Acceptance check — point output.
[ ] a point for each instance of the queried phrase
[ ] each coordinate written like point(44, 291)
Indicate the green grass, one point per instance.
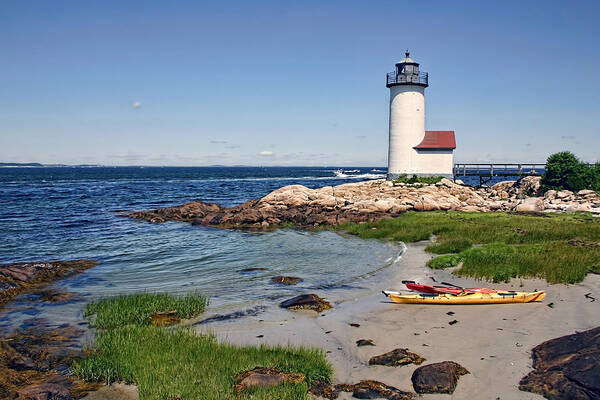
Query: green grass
point(445, 261)
point(449, 246)
point(524, 246)
point(554, 261)
point(175, 362)
point(137, 308)
point(164, 363)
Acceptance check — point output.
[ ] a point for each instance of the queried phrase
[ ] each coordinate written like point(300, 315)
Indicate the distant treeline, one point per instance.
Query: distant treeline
point(33, 164)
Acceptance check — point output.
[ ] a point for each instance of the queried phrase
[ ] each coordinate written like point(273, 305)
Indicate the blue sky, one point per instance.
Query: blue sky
point(291, 83)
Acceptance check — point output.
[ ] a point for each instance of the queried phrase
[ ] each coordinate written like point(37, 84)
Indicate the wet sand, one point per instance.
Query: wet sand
point(493, 342)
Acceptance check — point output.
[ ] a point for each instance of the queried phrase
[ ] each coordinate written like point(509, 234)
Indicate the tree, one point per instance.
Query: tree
point(565, 172)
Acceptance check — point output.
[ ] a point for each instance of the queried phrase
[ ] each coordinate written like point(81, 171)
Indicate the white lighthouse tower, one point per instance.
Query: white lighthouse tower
point(412, 150)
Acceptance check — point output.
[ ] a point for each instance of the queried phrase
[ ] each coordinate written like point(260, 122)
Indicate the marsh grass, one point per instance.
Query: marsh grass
point(518, 245)
point(138, 308)
point(557, 262)
point(445, 261)
point(164, 363)
point(449, 246)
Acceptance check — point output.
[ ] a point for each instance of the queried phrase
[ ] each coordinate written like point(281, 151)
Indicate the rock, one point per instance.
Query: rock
point(437, 378)
point(368, 389)
point(531, 204)
point(265, 377)
point(164, 318)
point(20, 277)
point(550, 195)
point(571, 208)
point(21, 363)
point(45, 391)
point(365, 342)
point(503, 186)
point(585, 192)
point(117, 391)
point(352, 202)
point(459, 182)
point(286, 280)
point(324, 390)
point(306, 302)
point(530, 185)
point(396, 357)
point(564, 195)
point(580, 243)
point(566, 368)
point(54, 296)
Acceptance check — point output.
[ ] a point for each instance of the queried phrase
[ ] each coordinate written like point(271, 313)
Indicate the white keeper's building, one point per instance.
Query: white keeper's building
point(412, 149)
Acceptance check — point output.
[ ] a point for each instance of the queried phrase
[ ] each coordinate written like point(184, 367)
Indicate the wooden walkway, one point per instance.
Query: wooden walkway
point(486, 172)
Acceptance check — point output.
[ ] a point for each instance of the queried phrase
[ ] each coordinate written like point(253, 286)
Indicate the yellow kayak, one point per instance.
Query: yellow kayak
point(466, 298)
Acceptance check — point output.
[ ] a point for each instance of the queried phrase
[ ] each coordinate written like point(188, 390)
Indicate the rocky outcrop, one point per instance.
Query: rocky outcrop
point(306, 302)
point(566, 368)
point(34, 363)
point(397, 357)
point(437, 378)
point(265, 377)
point(373, 200)
point(20, 277)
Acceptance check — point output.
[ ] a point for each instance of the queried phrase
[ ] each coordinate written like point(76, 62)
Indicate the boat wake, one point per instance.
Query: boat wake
point(352, 174)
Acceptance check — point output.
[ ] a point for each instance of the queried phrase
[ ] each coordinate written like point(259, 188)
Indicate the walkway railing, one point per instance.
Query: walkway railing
point(393, 78)
point(486, 172)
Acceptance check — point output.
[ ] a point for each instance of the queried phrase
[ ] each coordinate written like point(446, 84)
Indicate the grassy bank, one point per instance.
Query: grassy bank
point(138, 308)
point(558, 248)
point(176, 362)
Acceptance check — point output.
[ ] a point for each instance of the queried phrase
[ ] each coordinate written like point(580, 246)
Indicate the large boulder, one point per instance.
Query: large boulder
point(530, 204)
point(530, 185)
point(566, 368)
point(437, 378)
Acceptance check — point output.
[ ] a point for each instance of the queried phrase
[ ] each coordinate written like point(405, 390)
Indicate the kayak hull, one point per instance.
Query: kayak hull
point(468, 298)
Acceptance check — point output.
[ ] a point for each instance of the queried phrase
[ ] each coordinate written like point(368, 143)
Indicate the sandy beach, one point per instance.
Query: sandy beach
point(493, 342)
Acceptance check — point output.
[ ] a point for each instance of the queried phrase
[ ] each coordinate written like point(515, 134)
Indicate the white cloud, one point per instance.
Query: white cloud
point(136, 104)
point(266, 153)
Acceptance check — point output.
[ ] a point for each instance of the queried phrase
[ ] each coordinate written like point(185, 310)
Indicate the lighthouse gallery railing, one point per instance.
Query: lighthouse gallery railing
point(394, 78)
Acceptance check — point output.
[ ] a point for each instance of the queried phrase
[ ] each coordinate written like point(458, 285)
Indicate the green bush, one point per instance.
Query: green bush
point(564, 171)
point(418, 179)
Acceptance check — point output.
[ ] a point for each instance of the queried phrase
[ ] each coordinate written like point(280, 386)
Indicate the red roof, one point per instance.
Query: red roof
point(437, 140)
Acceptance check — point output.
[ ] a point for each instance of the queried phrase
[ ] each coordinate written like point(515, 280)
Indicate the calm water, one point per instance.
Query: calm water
point(67, 213)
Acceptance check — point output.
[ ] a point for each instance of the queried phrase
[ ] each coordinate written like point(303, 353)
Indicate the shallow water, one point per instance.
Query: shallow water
point(67, 213)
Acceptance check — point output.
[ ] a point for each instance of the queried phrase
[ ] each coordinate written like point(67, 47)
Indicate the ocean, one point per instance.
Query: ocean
point(61, 213)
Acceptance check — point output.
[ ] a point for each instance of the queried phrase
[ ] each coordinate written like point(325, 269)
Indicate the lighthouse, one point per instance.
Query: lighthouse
point(412, 150)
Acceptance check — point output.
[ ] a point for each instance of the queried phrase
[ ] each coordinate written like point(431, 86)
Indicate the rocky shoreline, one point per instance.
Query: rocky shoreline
point(34, 361)
point(373, 200)
point(18, 278)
